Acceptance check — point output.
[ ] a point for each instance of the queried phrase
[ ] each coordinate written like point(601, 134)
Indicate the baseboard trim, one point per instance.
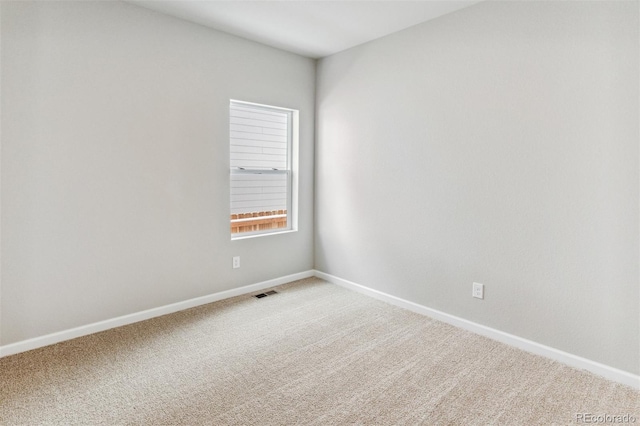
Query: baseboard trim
point(50, 339)
point(571, 360)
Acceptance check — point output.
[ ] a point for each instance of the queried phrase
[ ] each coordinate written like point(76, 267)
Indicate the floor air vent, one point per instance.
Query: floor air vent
point(265, 294)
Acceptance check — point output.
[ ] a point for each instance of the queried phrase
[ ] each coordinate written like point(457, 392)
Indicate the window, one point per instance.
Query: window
point(262, 139)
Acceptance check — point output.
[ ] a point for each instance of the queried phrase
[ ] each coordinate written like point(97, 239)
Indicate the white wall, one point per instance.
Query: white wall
point(497, 144)
point(115, 156)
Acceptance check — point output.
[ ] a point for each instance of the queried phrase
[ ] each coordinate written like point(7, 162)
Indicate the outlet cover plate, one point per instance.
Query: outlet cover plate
point(478, 291)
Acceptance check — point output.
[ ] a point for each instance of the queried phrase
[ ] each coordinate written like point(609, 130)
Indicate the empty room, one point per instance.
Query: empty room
point(319, 212)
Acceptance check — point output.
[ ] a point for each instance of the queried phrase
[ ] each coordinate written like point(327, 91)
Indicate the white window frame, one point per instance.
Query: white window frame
point(291, 170)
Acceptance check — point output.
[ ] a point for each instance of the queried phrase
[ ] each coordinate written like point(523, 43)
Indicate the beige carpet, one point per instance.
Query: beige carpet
point(313, 354)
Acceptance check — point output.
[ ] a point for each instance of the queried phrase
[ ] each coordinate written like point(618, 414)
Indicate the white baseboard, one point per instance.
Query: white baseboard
point(575, 361)
point(571, 360)
point(50, 339)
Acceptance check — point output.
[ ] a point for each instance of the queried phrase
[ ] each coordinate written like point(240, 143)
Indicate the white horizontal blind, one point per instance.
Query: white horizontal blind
point(259, 158)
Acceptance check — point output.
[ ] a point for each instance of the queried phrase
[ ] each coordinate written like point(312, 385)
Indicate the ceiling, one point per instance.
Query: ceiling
point(309, 28)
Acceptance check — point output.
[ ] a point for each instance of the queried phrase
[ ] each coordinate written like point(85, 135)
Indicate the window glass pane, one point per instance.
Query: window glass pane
point(258, 138)
point(258, 202)
point(258, 192)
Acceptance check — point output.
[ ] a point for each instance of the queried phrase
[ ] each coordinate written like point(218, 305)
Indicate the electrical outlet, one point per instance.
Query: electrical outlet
point(478, 290)
point(236, 262)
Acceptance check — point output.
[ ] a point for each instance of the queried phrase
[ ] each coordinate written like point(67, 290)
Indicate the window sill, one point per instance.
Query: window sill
point(246, 237)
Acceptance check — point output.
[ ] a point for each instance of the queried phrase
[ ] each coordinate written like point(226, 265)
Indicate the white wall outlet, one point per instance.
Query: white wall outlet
point(236, 262)
point(478, 290)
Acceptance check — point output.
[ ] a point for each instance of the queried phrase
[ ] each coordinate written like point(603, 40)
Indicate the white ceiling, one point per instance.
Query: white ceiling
point(309, 28)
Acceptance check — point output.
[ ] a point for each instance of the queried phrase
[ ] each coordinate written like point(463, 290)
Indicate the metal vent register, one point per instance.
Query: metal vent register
point(265, 294)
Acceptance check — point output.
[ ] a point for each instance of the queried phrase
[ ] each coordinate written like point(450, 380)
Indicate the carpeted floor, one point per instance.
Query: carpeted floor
point(314, 353)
